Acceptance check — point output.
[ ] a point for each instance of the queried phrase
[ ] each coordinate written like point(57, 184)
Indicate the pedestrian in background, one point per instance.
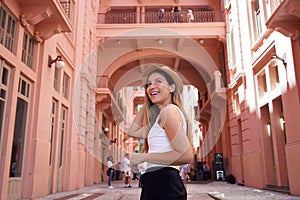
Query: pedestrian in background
point(142, 170)
point(127, 171)
point(110, 171)
point(186, 171)
point(164, 123)
point(206, 171)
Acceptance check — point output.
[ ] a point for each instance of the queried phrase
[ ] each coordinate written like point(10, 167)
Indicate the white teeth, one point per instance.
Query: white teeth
point(153, 93)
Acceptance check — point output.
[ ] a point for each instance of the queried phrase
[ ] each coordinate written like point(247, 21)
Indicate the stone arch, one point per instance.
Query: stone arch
point(122, 49)
point(132, 47)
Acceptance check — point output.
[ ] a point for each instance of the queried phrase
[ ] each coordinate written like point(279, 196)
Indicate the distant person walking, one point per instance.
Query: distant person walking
point(127, 171)
point(110, 171)
point(206, 171)
point(186, 171)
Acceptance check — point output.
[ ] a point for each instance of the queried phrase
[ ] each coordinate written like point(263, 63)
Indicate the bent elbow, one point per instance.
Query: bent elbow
point(190, 156)
point(187, 156)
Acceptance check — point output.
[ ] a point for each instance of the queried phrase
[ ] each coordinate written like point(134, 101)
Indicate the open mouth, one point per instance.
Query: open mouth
point(154, 93)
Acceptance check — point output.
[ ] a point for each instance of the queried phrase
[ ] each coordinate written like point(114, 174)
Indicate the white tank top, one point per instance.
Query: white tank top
point(158, 140)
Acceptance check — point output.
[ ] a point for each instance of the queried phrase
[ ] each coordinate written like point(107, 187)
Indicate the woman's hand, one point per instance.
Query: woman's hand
point(136, 129)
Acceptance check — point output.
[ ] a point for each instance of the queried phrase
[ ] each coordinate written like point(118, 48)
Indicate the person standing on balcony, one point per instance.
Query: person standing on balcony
point(161, 15)
point(166, 128)
point(176, 13)
point(190, 16)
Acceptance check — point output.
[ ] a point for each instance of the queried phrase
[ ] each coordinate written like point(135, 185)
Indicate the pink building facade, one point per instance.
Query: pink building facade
point(59, 124)
point(264, 93)
point(41, 151)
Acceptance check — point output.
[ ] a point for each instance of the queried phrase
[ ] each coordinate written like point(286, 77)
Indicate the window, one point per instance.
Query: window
point(258, 17)
point(274, 77)
point(52, 128)
point(262, 84)
point(56, 79)
point(66, 85)
point(87, 116)
point(19, 138)
point(237, 104)
point(222, 68)
point(231, 44)
point(28, 50)
point(4, 74)
point(104, 121)
point(7, 29)
point(63, 120)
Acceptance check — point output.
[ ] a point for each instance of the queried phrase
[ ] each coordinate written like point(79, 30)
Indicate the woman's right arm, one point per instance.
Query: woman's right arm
point(136, 128)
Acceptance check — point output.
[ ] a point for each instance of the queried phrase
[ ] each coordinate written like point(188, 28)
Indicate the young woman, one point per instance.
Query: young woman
point(166, 129)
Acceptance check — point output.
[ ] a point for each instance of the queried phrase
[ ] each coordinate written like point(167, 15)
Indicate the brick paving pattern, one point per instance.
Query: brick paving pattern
point(204, 190)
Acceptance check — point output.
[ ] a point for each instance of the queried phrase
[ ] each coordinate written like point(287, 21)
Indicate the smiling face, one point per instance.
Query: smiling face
point(158, 89)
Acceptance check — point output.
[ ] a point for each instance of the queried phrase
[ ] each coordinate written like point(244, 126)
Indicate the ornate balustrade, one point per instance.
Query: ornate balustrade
point(154, 17)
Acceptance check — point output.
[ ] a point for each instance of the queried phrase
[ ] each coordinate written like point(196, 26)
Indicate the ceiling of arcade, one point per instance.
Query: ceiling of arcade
point(122, 60)
point(195, 62)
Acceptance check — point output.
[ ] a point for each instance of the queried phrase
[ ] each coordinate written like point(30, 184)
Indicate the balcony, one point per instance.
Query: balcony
point(286, 18)
point(115, 17)
point(48, 17)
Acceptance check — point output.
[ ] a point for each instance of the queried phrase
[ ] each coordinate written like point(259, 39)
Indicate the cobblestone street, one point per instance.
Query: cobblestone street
point(196, 191)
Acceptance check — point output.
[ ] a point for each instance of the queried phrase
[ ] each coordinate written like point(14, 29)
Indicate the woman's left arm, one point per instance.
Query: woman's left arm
point(171, 121)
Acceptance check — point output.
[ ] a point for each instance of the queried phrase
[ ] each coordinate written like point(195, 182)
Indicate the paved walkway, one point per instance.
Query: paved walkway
point(196, 191)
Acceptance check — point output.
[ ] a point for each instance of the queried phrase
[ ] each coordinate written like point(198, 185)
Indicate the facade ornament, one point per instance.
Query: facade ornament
point(38, 37)
point(23, 21)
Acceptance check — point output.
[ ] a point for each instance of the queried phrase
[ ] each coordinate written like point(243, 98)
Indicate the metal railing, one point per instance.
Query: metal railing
point(155, 17)
point(66, 5)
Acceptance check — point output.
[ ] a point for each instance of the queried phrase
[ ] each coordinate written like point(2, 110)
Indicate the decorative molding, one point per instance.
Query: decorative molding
point(44, 13)
point(38, 37)
point(23, 21)
point(285, 19)
point(45, 32)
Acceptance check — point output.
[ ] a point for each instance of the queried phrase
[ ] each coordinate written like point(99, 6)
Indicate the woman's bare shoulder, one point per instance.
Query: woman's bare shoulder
point(169, 111)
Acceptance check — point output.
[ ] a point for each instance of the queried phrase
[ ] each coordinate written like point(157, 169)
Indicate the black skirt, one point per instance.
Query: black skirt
point(162, 184)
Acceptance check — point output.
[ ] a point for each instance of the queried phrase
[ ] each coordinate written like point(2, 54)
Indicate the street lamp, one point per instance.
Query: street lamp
point(59, 63)
point(275, 59)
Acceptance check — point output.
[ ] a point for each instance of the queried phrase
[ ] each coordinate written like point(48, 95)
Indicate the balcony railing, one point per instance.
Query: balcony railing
point(153, 17)
point(274, 4)
point(66, 4)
